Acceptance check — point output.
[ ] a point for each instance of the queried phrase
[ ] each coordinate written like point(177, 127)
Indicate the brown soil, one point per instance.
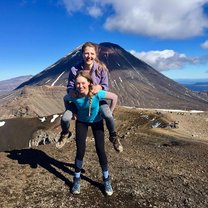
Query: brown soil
point(160, 167)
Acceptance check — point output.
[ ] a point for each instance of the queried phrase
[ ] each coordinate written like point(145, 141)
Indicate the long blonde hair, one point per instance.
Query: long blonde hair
point(86, 75)
point(101, 65)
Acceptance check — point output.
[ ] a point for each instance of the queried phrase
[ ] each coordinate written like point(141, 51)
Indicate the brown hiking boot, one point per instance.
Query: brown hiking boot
point(64, 138)
point(116, 142)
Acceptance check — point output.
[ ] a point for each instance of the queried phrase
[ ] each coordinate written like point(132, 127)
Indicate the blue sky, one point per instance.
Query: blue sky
point(172, 36)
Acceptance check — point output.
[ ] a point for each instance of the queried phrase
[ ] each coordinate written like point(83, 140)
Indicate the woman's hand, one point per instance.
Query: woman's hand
point(73, 93)
point(96, 88)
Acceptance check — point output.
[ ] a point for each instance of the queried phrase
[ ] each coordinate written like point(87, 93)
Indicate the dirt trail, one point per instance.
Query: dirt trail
point(156, 169)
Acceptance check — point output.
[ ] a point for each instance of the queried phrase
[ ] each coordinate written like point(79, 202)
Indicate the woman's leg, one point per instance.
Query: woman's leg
point(67, 116)
point(81, 134)
point(81, 129)
point(65, 122)
point(98, 132)
point(107, 115)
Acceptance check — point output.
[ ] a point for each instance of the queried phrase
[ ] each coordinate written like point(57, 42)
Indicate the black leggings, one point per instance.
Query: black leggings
point(81, 135)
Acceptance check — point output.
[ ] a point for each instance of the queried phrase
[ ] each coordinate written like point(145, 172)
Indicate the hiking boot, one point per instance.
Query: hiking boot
point(116, 142)
point(64, 138)
point(107, 186)
point(117, 145)
point(76, 186)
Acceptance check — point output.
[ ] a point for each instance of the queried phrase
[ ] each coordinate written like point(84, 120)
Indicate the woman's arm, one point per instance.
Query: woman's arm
point(104, 80)
point(114, 98)
point(71, 79)
point(71, 90)
point(96, 88)
point(100, 78)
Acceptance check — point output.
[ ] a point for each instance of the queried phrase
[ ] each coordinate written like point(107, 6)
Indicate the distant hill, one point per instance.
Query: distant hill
point(10, 84)
point(197, 85)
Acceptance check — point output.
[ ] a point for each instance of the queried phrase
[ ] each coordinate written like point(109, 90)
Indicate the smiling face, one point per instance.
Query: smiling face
point(82, 85)
point(89, 55)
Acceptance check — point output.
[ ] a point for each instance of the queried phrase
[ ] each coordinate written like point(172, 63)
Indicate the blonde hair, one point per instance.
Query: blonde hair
point(101, 65)
point(87, 76)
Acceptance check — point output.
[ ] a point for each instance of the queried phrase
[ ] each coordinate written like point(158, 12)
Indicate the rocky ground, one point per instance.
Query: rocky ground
point(161, 166)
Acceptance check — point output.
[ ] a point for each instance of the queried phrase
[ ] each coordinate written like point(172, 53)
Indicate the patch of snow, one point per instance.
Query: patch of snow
point(145, 116)
point(54, 118)
point(180, 111)
point(51, 66)
point(196, 111)
point(156, 125)
point(2, 123)
point(115, 83)
point(57, 79)
point(48, 81)
point(168, 110)
point(127, 106)
point(76, 49)
point(172, 110)
point(42, 119)
point(131, 74)
point(75, 53)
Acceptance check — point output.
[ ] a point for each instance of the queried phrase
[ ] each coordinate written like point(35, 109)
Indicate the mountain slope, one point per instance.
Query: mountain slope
point(135, 82)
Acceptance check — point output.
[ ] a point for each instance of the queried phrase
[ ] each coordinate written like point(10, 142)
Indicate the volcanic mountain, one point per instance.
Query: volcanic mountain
point(135, 82)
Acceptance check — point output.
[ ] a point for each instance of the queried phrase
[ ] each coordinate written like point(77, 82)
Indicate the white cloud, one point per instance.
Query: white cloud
point(90, 7)
point(205, 44)
point(94, 11)
point(172, 19)
point(165, 60)
point(73, 5)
